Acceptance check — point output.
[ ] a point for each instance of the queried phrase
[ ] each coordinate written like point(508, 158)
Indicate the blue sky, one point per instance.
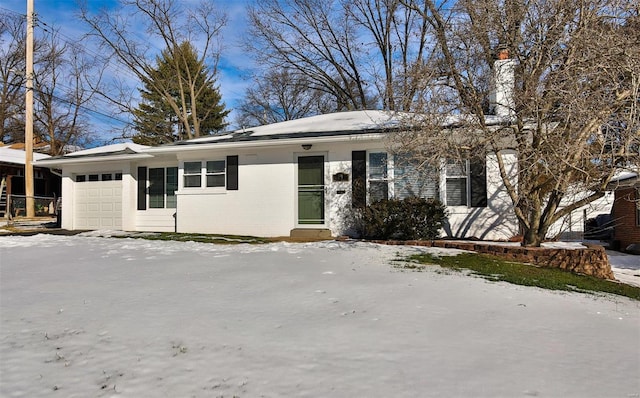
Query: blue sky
point(234, 66)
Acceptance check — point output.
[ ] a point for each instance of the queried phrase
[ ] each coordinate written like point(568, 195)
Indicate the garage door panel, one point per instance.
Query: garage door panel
point(108, 193)
point(98, 205)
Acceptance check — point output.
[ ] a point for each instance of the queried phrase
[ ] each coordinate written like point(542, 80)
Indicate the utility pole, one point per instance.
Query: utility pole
point(28, 128)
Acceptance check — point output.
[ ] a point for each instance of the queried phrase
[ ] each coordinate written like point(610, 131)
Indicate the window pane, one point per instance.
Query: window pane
point(311, 170)
point(192, 181)
point(156, 188)
point(311, 207)
point(456, 191)
point(171, 187)
point(82, 178)
point(118, 176)
point(107, 177)
point(192, 172)
point(378, 165)
point(215, 180)
point(192, 167)
point(215, 166)
point(94, 177)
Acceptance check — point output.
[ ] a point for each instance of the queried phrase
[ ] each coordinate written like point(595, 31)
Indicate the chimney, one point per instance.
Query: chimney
point(502, 102)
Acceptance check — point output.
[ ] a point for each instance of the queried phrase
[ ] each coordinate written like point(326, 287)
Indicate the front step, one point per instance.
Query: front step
point(310, 233)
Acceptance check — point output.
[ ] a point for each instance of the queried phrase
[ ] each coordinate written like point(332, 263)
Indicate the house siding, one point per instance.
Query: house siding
point(263, 205)
point(627, 231)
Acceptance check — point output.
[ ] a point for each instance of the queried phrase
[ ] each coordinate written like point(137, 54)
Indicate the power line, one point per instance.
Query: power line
point(76, 43)
point(83, 107)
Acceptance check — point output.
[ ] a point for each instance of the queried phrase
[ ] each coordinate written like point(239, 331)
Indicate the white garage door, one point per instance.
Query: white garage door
point(98, 205)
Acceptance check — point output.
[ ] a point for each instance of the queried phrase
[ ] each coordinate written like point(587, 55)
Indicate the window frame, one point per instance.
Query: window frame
point(216, 173)
point(385, 179)
point(213, 175)
point(156, 188)
point(474, 174)
point(169, 200)
point(463, 175)
point(186, 175)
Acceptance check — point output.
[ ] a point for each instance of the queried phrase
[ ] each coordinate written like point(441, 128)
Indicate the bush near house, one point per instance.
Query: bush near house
point(407, 219)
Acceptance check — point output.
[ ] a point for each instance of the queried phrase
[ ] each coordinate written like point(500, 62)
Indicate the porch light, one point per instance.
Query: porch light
point(306, 147)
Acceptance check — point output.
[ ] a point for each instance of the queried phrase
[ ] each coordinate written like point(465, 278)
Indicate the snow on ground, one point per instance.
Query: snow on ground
point(85, 316)
point(626, 267)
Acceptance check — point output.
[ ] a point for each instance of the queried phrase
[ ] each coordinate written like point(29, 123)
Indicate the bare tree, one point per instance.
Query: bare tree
point(317, 39)
point(573, 120)
point(63, 95)
point(60, 91)
point(363, 53)
point(398, 39)
point(169, 23)
point(12, 67)
point(281, 95)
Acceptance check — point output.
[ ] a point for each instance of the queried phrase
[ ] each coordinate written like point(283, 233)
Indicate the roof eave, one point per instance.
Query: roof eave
point(90, 159)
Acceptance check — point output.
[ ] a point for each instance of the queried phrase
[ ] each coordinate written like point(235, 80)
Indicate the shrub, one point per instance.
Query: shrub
point(407, 219)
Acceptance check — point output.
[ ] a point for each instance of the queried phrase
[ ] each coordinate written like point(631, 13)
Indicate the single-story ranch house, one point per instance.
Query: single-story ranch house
point(271, 180)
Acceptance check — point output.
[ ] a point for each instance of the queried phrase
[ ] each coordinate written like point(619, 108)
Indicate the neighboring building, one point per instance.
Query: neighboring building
point(272, 180)
point(626, 210)
point(46, 183)
point(572, 227)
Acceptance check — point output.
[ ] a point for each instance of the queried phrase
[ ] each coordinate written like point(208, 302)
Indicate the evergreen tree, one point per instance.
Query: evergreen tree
point(179, 100)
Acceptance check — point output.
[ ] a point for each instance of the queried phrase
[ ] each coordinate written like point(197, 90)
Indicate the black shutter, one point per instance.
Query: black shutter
point(142, 188)
point(232, 173)
point(359, 178)
point(478, 175)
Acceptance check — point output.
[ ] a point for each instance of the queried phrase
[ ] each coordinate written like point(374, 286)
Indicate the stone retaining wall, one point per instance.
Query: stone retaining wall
point(592, 260)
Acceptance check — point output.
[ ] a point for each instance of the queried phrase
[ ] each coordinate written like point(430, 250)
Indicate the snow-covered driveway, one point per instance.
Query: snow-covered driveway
point(101, 317)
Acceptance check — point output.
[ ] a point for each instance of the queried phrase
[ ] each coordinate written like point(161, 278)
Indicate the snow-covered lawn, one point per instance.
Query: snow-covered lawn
point(88, 316)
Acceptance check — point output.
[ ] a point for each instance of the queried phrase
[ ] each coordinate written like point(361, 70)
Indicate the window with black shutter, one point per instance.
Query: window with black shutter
point(142, 188)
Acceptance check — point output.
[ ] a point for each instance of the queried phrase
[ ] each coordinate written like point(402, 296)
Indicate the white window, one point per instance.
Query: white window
point(378, 176)
point(216, 173)
point(192, 174)
point(465, 183)
point(456, 182)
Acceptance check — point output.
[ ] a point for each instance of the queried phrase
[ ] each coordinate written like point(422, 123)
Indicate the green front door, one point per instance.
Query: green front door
point(311, 190)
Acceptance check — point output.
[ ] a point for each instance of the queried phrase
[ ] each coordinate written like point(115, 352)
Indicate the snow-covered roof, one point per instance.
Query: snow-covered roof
point(333, 124)
point(127, 147)
point(624, 179)
point(341, 121)
point(124, 151)
point(17, 156)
